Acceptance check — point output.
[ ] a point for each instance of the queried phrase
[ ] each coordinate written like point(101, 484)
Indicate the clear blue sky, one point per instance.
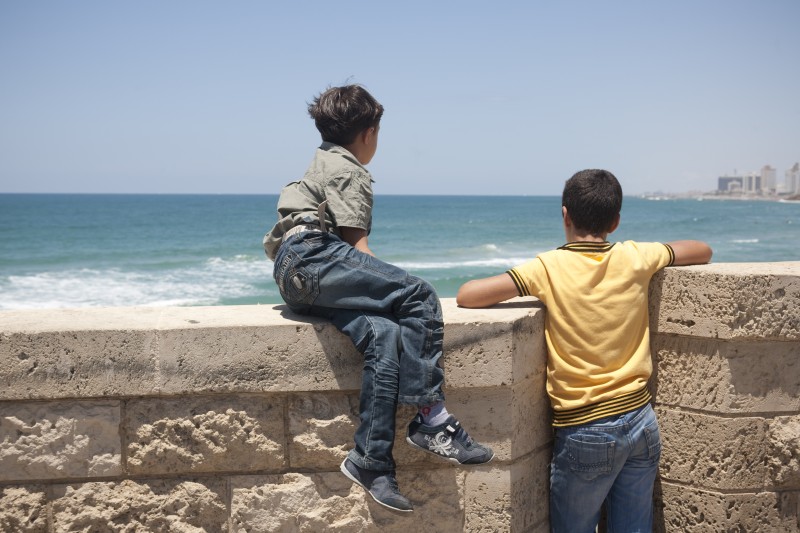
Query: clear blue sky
point(481, 97)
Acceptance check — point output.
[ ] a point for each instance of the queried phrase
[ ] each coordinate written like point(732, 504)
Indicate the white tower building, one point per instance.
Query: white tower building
point(768, 176)
point(792, 179)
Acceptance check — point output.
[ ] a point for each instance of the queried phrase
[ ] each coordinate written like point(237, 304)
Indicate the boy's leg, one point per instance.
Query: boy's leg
point(630, 502)
point(580, 478)
point(335, 276)
point(378, 338)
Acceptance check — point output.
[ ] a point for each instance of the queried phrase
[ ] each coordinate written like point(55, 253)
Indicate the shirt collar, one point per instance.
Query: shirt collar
point(584, 246)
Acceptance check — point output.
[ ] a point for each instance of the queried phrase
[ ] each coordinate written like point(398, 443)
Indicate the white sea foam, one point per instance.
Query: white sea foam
point(497, 262)
point(206, 284)
point(744, 241)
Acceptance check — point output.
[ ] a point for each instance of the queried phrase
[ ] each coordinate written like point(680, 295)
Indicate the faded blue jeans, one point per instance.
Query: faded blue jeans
point(394, 319)
point(613, 459)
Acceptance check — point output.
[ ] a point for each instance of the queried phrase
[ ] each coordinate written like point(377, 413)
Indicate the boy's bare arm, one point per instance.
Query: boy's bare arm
point(357, 238)
point(690, 252)
point(487, 291)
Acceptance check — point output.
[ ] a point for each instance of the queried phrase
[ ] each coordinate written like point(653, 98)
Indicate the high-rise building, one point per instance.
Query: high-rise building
point(768, 178)
point(792, 179)
point(753, 183)
point(729, 183)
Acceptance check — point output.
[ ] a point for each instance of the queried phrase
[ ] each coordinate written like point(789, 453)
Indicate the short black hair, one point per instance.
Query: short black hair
point(593, 199)
point(341, 113)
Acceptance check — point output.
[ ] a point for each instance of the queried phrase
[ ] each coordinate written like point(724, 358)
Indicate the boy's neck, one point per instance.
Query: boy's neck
point(585, 237)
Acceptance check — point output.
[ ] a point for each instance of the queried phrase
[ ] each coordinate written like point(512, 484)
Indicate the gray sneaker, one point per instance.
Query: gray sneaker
point(382, 486)
point(449, 441)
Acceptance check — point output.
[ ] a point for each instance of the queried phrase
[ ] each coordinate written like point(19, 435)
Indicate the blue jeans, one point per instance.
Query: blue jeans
point(394, 319)
point(615, 460)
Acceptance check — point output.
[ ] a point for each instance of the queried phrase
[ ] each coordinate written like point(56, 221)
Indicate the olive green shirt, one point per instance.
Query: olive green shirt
point(334, 175)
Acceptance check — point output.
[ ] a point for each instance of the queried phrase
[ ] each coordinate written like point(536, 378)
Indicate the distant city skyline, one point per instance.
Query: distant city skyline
point(205, 97)
point(763, 181)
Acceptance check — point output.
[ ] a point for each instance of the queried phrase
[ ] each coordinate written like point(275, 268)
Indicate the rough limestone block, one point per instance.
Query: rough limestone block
point(493, 347)
point(511, 497)
point(310, 355)
point(689, 509)
point(783, 459)
point(712, 452)
point(514, 421)
point(75, 363)
point(181, 506)
point(728, 300)
point(204, 434)
point(726, 376)
point(331, 502)
point(321, 429)
point(23, 509)
point(59, 440)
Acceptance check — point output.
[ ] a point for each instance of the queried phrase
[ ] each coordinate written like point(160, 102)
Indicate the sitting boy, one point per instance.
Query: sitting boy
point(324, 267)
point(607, 445)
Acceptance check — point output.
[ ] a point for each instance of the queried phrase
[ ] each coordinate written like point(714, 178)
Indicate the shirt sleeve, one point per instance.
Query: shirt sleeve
point(350, 200)
point(656, 255)
point(528, 277)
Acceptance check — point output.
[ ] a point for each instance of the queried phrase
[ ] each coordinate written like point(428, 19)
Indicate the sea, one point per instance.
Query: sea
point(79, 250)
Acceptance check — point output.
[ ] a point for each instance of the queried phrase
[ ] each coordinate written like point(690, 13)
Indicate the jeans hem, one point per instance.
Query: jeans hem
point(367, 464)
point(420, 401)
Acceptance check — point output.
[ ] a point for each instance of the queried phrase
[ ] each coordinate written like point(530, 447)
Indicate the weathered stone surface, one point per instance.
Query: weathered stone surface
point(53, 440)
point(728, 300)
point(783, 457)
point(73, 363)
point(713, 453)
point(508, 497)
point(726, 376)
point(321, 428)
point(205, 434)
point(23, 509)
point(514, 421)
point(690, 509)
point(487, 347)
point(331, 502)
point(182, 506)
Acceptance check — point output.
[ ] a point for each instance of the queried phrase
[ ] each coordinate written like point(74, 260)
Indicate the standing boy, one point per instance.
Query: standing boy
point(324, 267)
point(607, 445)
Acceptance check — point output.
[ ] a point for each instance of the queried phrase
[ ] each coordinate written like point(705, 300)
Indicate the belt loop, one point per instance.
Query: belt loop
point(321, 214)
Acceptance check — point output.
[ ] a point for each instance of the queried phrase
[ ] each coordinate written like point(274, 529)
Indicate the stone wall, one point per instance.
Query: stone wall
point(235, 419)
point(727, 349)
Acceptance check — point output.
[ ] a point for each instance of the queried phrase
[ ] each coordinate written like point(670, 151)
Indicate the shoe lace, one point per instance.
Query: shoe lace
point(462, 436)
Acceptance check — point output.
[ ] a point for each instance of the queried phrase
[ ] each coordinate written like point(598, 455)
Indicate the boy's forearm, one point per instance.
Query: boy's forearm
point(357, 238)
point(690, 252)
point(486, 292)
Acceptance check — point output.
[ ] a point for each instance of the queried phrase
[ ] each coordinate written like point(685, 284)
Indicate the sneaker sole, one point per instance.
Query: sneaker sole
point(448, 459)
point(352, 478)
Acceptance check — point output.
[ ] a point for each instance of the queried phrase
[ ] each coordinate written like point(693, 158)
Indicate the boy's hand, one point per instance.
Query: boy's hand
point(487, 291)
point(690, 252)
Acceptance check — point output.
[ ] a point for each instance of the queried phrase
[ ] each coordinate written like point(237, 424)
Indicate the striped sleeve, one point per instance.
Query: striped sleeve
point(527, 277)
point(522, 290)
point(671, 254)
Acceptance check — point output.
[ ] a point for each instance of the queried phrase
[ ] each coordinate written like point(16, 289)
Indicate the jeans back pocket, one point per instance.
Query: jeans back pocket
point(298, 282)
point(590, 454)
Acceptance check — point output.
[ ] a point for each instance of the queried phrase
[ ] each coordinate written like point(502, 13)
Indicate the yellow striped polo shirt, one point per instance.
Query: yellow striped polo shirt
point(597, 327)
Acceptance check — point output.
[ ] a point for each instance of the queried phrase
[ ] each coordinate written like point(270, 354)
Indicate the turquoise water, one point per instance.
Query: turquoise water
point(115, 250)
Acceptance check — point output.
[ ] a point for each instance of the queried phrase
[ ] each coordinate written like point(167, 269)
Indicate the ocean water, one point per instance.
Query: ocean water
point(156, 250)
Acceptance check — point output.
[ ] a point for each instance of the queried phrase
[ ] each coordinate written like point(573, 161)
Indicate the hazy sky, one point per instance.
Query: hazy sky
point(480, 97)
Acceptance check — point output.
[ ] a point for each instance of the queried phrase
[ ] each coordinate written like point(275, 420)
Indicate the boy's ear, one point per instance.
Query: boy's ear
point(367, 134)
point(565, 216)
point(614, 225)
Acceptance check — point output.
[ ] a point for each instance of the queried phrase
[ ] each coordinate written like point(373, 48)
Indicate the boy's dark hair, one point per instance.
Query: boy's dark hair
point(593, 199)
point(341, 113)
